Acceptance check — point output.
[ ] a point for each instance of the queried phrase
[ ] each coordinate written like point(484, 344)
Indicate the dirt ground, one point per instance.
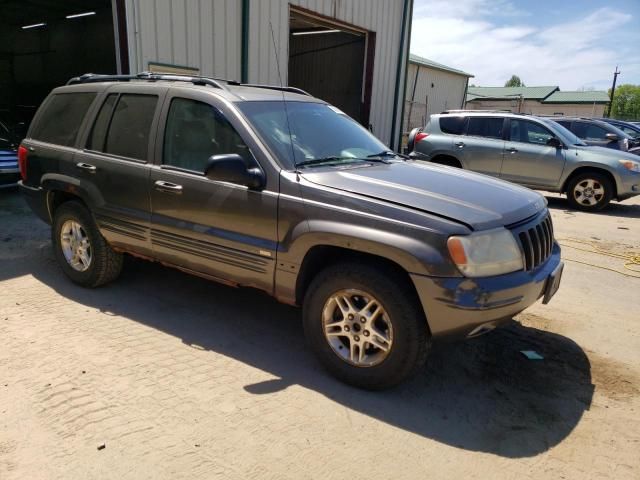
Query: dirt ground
point(161, 375)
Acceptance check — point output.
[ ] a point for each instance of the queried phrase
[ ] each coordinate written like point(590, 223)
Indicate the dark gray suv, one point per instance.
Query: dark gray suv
point(271, 188)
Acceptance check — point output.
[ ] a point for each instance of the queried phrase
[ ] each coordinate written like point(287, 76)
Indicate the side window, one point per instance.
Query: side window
point(529, 132)
point(194, 132)
point(485, 127)
point(566, 124)
point(63, 115)
point(452, 125)
point(99, 130)
point(594, 132)
point(128, 134)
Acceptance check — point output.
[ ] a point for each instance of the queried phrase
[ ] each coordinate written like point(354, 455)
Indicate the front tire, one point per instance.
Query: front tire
point(366, 328)
point(589, 191)
point(80, 249)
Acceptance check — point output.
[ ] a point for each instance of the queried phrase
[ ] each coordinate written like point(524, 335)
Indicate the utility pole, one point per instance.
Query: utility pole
point(613, 90)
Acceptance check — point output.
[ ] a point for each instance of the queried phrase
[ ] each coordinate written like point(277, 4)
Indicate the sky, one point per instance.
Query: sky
point(574, 44)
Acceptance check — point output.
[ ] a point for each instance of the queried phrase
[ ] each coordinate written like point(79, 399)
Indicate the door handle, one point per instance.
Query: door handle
point(168, 187)
point(513, 150)
point(86, 166)
point(460, 144)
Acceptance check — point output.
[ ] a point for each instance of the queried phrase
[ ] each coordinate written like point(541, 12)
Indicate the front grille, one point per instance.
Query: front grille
point(536, 242)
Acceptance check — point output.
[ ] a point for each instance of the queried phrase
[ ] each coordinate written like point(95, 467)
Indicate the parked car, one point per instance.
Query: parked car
point(9, 172)
point(627, 127)
point(229, 182)
point(598, 133)
point(531, 151)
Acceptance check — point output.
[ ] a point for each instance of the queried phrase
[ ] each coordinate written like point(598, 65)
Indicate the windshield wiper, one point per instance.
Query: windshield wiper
point(320, 161)
point(388, 154)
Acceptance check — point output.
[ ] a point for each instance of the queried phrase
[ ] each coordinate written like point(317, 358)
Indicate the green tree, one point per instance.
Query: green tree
point(514, 81)
point(626, 102)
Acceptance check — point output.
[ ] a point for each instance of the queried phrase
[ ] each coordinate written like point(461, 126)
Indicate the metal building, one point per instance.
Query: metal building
point(432, 88)
point(352, 53)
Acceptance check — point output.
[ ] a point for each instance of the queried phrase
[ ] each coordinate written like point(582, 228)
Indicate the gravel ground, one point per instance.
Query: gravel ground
point(163, 375)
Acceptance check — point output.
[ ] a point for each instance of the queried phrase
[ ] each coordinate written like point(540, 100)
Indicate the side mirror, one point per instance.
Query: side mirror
point(231, 168)
point(612, 136)
point(554, 142)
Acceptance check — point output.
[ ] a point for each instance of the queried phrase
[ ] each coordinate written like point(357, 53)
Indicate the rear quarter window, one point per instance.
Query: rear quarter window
point(452, 125)
point(63, 115)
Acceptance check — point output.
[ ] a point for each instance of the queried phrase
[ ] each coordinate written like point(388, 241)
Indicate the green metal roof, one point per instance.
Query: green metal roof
point(425, 62)
point(577, 97)
point(507, 93)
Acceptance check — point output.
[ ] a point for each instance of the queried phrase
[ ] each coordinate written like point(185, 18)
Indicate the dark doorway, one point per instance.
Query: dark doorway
point(329, 60)
point(43, 43)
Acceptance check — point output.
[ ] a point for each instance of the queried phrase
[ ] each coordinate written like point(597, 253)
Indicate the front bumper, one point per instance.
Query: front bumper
point(463, 307)
point(36, 198)
point(628, 186)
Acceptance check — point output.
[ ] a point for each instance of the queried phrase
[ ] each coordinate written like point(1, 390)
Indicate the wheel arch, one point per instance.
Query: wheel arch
point(591, 169)
point(447, 159)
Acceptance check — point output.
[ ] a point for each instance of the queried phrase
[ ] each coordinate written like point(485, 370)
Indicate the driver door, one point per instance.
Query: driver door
point(210, 227)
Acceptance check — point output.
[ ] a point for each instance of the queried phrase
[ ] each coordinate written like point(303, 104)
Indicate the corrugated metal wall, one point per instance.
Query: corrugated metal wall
point(206, 34)
point(435, 91)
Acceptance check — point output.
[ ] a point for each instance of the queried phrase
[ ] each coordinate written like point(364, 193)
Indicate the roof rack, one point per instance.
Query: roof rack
point(93, 78)
point(196, 80)
point(462, 110)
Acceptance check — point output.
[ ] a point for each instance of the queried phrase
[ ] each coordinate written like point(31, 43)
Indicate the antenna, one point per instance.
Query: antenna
point(284, 100)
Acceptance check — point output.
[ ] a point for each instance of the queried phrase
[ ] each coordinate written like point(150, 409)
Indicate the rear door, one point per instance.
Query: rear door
point(482, 148)
point(115, 159)
point(528, 159)
point(215, 228)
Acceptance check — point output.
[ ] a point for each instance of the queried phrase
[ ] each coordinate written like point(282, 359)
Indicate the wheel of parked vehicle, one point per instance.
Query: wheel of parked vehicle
point(589, 191)
point(364, 326)
point(82, 252)
point(411, 139)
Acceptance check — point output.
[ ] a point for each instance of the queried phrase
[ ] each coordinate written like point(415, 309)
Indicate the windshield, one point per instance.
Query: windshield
point(318, 131)
point(563, 133)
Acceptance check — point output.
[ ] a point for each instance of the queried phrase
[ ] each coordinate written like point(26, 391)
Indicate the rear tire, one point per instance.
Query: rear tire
point(399, 326)
point(589, 191)
point(448, 161)
point(80, 249)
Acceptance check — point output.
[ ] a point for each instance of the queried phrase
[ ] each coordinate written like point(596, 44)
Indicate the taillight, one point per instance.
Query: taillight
point(421, 136)
point(22, 161)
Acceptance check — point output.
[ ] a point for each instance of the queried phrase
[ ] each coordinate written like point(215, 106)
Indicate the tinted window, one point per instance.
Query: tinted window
point(485, 127)
point(529, 132)
point(62, 117)
point(99, 130)
point(195, 131)
point(452, 125)
point(565, 123)
point(130, 126)
point(589, 131)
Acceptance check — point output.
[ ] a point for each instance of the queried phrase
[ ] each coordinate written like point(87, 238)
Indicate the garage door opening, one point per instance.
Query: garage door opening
point(332, 61)
point(44, 44)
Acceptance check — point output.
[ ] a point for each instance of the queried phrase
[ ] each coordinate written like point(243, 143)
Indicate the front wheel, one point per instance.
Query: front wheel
point(365, 328)
point(589, 191)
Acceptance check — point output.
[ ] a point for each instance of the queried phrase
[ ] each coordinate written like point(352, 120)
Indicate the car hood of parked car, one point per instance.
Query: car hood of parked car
point(478, 201)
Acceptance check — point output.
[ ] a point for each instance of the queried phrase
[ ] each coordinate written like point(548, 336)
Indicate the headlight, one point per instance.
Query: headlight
point(630, 165)
point(484, 254)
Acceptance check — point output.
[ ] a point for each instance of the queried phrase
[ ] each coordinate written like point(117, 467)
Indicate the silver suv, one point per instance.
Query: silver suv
point(531, 151)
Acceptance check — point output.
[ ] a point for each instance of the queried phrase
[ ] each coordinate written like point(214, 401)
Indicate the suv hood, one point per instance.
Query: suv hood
point(478, 201)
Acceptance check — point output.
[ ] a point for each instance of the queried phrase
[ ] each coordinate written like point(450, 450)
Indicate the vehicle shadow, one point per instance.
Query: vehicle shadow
point(480, 395)
point(614, 209)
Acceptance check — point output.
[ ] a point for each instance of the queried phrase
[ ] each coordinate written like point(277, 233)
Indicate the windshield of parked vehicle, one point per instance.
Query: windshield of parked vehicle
point(564, 134)
point(320, 134)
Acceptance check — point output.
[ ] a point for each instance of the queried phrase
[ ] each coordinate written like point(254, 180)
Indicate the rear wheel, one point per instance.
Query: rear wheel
point(589, 191)
point(81, 250)
point(364, 327)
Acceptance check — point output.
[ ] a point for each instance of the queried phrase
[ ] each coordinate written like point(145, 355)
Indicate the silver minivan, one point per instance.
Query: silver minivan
point(531, 151)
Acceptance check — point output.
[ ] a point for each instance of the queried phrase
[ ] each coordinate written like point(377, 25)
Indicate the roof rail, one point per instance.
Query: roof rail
point(93, 78)
point(276, 87)
point(462, 110)
point(196, 80)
